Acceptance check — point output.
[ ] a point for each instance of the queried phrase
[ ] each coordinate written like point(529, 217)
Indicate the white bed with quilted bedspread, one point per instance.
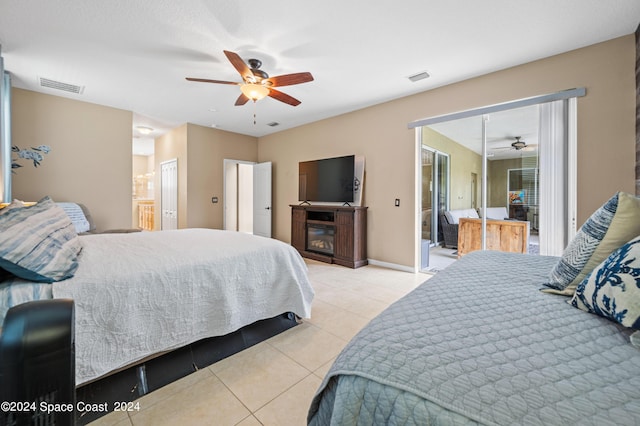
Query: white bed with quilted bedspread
point(140, 294)
point(144, 293)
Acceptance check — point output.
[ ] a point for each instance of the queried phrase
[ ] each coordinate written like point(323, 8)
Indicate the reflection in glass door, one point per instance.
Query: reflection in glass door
point(427, 194)
point(441, 195)
point(517, 186)
point(435, 192)
point(520, 157)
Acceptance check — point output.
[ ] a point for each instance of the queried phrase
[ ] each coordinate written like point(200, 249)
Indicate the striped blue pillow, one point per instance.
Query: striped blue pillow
point(39, 243)
point(608, 228)
point(579, 251)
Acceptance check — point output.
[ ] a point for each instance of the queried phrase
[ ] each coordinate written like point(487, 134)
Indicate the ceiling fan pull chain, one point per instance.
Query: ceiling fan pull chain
point(254, 112)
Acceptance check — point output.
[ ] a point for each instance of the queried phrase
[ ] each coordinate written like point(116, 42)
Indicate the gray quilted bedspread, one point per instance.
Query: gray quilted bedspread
point(480, 344)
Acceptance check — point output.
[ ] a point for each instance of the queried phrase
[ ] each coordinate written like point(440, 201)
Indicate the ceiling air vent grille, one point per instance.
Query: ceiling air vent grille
point(419, 76)
point(58, 85)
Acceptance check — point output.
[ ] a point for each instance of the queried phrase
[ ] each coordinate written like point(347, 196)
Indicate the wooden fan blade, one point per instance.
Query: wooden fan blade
point(283, 97)
point(205, 80)
point(290, 79)
point(242, 99)
point(239, 65)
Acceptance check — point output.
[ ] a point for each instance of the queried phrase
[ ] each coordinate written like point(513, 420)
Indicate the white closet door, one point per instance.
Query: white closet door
point(169, 194)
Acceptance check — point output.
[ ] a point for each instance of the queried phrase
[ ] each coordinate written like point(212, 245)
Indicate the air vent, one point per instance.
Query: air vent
point(420, 76)
point(273, 124)
point(58, 85)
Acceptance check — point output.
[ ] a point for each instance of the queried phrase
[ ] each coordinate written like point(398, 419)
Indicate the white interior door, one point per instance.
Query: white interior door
point(245, 198)
point(262, 199)
point(169, 194)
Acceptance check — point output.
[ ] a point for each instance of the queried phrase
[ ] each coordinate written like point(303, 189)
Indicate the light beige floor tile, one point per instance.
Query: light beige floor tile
point(290, 408)
point(383, 293)
point(256, 377)
point(249, 421)
point(171, 389)
point(367, 307)
point(401, 281)
point(336, 320)
point(361, 302)
point(235, 359)
point(273, 379)
point(336, 296)
point(324, 369)
point(115, 418)
point(206, 402)
point(308, 345)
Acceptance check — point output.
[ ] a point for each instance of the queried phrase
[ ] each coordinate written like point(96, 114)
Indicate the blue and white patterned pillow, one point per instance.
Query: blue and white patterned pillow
point(612, 225)
point(75, 213)
point(39, 243)
point(612, 290)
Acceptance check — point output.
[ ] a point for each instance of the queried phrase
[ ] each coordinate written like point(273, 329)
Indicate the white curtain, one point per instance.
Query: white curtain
point(555, 191)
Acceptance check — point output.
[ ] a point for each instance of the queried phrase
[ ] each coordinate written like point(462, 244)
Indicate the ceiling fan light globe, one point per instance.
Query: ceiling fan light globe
point(253, 91)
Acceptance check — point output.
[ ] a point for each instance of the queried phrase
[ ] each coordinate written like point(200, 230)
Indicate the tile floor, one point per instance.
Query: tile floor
point(272, 383)
point(440, 258)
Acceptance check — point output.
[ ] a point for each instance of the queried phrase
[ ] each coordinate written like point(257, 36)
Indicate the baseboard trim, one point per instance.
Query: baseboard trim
point(398, 267)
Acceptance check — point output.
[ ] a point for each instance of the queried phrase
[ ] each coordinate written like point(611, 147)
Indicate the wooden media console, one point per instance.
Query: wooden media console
point(331, 234)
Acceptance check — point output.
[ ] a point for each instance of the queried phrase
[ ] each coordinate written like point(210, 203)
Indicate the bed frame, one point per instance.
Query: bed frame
point(138, 380)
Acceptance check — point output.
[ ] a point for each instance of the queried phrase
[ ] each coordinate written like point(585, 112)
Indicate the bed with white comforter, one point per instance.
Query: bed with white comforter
point(144, 293)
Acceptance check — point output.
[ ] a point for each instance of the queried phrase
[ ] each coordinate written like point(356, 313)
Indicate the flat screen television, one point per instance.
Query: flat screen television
point(327, 180)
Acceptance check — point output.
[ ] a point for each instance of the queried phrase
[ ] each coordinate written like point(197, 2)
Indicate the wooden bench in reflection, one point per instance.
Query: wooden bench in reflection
point(502, 235)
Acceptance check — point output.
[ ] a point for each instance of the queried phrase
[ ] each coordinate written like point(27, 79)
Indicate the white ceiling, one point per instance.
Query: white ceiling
point(135, 55)
point(502, 128)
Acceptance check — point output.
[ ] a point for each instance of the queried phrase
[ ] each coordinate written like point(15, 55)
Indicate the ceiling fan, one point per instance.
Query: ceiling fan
point(519, 145)
point(257, 84)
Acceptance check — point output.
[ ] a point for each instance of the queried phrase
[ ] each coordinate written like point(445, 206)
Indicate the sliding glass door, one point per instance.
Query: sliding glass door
point(517, 163)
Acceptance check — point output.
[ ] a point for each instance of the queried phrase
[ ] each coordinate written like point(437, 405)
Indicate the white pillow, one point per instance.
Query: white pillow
point(497, 213)
point(453, 216)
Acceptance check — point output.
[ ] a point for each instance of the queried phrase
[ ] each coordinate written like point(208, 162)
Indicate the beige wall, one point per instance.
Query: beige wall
point(200, 152)
point(90, 160)
point(94, 142)
point(208, 148)
point(462, 162)
point(606, 135)
point(140, 164)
